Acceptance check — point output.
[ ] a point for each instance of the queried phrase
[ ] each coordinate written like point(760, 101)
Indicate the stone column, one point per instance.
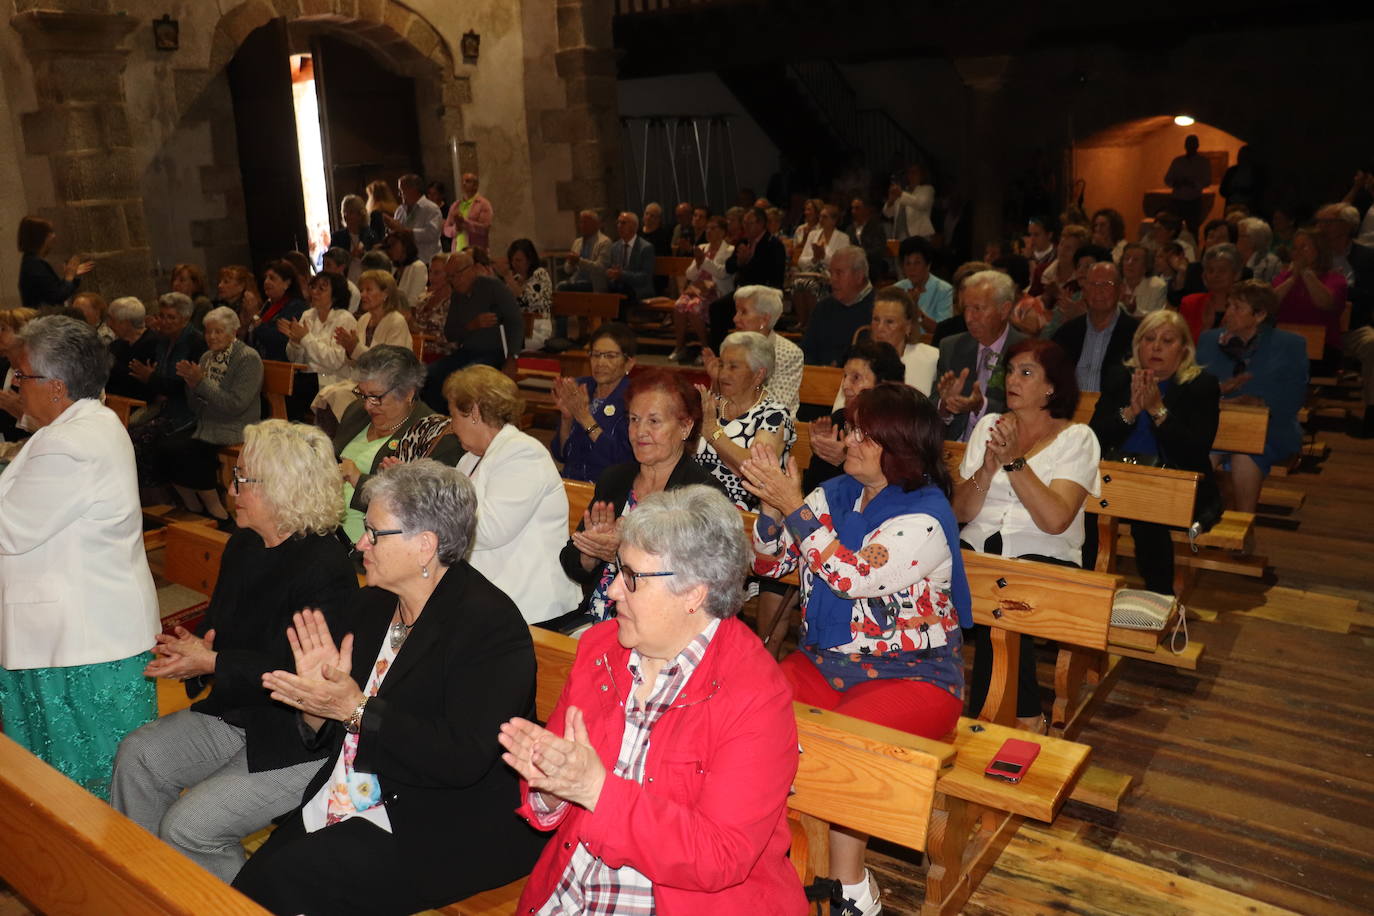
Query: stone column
point(590, 124)
point(82, 127)
point(984, 78)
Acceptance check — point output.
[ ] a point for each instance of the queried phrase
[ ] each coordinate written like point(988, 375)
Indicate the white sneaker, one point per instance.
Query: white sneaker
point(862, 899)
point(676, 355)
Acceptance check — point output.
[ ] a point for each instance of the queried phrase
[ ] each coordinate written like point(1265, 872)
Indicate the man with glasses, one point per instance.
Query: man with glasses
point(484, 325)
point(1101, 336)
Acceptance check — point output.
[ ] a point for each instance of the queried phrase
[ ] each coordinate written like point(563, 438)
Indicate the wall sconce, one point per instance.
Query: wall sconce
point(470, 46)
point(166, 33)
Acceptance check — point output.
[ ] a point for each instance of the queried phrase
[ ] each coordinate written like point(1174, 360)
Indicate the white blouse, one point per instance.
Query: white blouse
point(920, 361)
point(807, 262)
point(412, 281)
point(318, 349)
point(714, 268)
point(1073, 455)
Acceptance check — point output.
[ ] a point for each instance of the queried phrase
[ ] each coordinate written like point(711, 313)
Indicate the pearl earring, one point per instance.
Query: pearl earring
point(424, 572)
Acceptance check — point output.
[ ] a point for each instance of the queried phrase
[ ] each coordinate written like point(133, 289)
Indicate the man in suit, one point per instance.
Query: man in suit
point(584, 271)
point(419, 214)
point(1100, 337)
point(759, 260)
point(868, 234)
point(1338, 224)
point(973, 365)
point(630, 271)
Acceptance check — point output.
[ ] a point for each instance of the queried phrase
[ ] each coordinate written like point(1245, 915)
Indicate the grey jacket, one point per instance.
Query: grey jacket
point(225, 406)
point(961, 352)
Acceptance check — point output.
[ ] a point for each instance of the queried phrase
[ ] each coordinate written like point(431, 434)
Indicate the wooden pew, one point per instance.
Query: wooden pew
point(591, 309)
point(193, 555)
point(123, 406)
point(69, 854)
point(1314, 335)
point(1240, 428)
point(278, 381)
point(819, 385)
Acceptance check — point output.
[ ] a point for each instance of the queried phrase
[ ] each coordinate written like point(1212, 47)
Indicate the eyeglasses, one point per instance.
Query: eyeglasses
point(373, 534)
point(238, 479)
point(632, 578)
point(1100, 283)
point(609, 355)
point(373, 399)
point(858, 435)
point(21, 376)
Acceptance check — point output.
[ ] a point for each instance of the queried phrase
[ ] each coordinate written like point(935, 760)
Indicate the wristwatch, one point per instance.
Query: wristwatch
point(355, 721)
point(1016, 465)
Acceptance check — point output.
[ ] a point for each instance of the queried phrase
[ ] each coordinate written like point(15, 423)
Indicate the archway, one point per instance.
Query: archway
point(1123, 166)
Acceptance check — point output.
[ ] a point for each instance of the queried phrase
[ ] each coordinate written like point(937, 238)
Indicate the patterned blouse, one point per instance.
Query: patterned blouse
point(538, 294)
point(765, 416)
point(589, 885)
point(904, 624)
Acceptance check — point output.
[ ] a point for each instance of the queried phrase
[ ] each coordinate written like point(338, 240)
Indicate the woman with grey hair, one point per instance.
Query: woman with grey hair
point(387, 423)
point(79, 611)
point(443, 657)
point(716, 781)
point(1221, 269)
point(224, 392)
point(355, 236)
point(738, 412)
point(134, 340)
point(1253, 238)
point(758, 308)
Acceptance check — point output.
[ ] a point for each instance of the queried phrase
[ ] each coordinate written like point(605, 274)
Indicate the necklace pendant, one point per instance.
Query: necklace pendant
point(397, 634)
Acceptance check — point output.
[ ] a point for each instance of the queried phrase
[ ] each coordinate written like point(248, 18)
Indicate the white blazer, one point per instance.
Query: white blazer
point(74, 582)
point(522, 524)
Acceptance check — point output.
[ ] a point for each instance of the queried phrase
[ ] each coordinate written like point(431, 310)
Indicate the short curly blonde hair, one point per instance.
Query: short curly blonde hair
point(493, 393)
point(387, 284)
point(1188, 368)
point(298, 473)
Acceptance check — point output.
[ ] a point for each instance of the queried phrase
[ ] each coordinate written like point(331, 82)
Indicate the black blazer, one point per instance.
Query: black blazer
point(961, 352)
point(1185, 438)
point(1075, 331)
point(40, 285)
point(765, 268)
point(429, 734)
point(355, 420)
point(257, 592)
point(1361, 258)
point(341, 239)
point(614, 487)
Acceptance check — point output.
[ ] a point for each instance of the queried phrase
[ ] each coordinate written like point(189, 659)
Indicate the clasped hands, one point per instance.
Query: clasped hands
point(565, 768)
point(779, 491)
point(182, 655)
point(322, 686)
point(1145, 396)
point(600, 534)
point(572, 400)
point(950, 400)
point(190, 372)
point(1003, 443)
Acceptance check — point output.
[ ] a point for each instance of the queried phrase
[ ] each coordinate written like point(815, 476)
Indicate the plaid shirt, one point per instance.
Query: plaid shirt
point(590, 886)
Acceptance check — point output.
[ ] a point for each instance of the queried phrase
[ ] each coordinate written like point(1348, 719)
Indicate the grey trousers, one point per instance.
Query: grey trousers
point(223, 802)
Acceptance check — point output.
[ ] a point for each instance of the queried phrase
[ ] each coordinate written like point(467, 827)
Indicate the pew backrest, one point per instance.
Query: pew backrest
point(192, 555)
point(1240, 428)
point(1059, 603)
point(123, 407)
point(819, 385)
point(278, 383)
point(671, 267)
point(1313, 335)
point(593, 307)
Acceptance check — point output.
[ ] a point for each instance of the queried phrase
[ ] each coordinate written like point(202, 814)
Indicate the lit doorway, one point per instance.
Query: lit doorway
point(310, 147)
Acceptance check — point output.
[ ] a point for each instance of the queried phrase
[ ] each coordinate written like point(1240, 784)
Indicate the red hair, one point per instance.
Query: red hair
point(676, 386)
point(907, 425)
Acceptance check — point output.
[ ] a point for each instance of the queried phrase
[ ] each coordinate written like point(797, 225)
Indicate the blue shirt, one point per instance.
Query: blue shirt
point(1095, 345)
point(1142, 439)
point(936, 301)
point(585, 459)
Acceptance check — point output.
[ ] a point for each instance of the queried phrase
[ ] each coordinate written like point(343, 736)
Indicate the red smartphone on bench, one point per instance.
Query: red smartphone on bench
point(1012, 760)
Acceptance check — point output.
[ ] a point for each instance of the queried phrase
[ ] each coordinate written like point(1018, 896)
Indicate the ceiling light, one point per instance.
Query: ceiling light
point(1184, 120)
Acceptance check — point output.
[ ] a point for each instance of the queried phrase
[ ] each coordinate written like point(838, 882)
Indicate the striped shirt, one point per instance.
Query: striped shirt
point(590, 886)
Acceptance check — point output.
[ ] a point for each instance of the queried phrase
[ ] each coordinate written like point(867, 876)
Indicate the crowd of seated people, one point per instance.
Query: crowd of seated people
point(420, 465)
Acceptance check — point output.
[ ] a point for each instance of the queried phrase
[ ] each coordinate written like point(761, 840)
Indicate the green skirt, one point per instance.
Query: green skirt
point(74, 718)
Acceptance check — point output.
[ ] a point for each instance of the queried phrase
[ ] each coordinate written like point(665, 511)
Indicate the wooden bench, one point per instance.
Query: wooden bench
point(591, 309)
point(278, 382)
point(1313, 335)
point(1241, 428)
point(67, 853)
point(123, 407)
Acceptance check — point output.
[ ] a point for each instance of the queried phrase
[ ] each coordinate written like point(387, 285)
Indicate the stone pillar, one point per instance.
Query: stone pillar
point(590, 123)
point(983, 145)
point(82, 127)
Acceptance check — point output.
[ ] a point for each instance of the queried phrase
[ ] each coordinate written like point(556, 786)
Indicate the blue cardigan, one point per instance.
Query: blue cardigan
point(1279, 367)
point(584, 459)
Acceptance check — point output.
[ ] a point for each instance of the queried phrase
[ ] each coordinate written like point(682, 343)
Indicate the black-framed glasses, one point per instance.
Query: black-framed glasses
point(607, 355)
point(632, 578)
point(21, 376)
point(373, 533)
point(239, 479)
point(373, 399)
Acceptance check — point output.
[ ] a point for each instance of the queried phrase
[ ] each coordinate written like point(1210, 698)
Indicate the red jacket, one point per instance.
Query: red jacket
point(709, 824)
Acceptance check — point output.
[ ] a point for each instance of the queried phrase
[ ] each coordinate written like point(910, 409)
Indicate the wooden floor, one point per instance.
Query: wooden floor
point(1253, 783)
point(1253, 786)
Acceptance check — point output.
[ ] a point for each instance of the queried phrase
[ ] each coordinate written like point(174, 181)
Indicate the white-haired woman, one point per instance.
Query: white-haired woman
point(1161, 403)
point(224, 392)
point(386, 421)
point(134, 340)
point(739, 413)
point(77, 604)
point(757, 309)
point(404, 707)
point(1253, 238)
point(237, 754)
point(522, 519)
point(695, 822)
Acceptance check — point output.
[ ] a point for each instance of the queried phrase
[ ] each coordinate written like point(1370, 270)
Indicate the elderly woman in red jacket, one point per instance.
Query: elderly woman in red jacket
point(697, 822)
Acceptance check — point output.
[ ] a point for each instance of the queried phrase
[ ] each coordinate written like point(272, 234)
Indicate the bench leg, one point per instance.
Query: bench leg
point(1071, 669)
point(1000, 705)
point(963, 847)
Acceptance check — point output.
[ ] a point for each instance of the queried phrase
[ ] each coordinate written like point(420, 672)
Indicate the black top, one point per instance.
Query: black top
point(40, 285)
point(121, 382)
point(662, 240)
point(164, 383)
point(259, 588)
point(429, 735)
point(1185, 437)
point(487, 294)
point(614, 487)
point(265, 338)
point(765, 268)
point(341, 239)
point(833, 325)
